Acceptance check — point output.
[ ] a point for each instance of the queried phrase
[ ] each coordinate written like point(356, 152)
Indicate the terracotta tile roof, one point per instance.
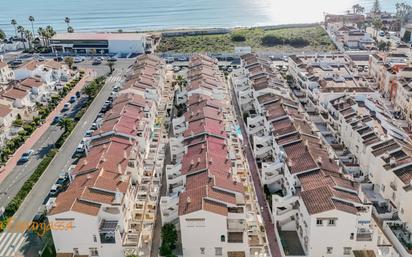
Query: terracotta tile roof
point(198, 113)
point(282, 127)
point(209, 184)
point(30, 65)
point(207, 125)
point(318, 200)
point(31, 83)
point(2, 65)
point(4, 110)
point(14, 93)
point(299, 158)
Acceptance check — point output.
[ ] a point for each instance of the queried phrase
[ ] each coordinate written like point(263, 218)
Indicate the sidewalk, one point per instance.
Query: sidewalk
point(12, 162)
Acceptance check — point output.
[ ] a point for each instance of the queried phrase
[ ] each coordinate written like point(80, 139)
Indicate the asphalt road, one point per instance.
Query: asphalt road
point(63, 160)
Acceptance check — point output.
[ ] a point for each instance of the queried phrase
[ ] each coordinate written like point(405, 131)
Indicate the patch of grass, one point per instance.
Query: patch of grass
point(285, 39)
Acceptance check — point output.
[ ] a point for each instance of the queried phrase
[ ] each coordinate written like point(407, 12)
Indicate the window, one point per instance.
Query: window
point(93, 252)
point(329, 250)
point(319, 222)
point(352, 236)
point(383, 188)
point(347, 250)
point(218, 251)
point(332, 222)
point(95, 238)
point(222, 238)
point(202, 250)
point(76, 251)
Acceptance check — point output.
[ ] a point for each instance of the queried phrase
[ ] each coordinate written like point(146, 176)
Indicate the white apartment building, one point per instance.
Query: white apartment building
point(209, 192)
point(112, 198)
point(6, 74)
point(382, 149)
point(322, 77)
point(317, 209)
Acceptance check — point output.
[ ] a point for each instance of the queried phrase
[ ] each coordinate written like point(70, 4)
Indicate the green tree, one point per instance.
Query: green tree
point(70, 29)
point(31, 19)
point(69, 61)
point(66, 124)
point(358, 9)
point(110, 64)
point(376, 7)
point(402, 11)
point(2, 35)
point(377, 25)
point(14, 23)
point(29, 37)
point(67, 21)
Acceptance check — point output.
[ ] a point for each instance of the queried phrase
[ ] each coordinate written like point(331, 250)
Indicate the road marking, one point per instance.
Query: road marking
point(11, 243)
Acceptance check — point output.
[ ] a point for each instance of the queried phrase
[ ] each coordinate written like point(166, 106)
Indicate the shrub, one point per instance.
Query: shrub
point(271, 40)
point(238, 37)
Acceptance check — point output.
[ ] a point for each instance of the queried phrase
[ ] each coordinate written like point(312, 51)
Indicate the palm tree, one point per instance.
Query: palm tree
point(357, 9)
point(402, 11)
point(2, 34)
point(49, 33)
point(376, 8)
point(110, 64)
point(69, 61)
point(21, 30)
point(29, 37)
point(377, 25)
point(31, 19)
point(41, 32)
point(66, 124)
point(67, 21)
point(14, 23)
point(70, 29)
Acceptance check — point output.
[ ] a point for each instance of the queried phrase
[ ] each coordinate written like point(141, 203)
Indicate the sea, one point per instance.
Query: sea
point(146, 15)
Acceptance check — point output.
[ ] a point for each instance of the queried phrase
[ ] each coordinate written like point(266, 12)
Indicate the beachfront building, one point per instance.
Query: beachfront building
point(100, 43)
point(382, 151)
point(112, 197)
point(318, 210)
point(210, 195)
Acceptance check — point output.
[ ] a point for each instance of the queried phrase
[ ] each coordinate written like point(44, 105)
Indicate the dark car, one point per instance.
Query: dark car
point(78, 94)
point(58, 58)
point(112, 59)
point(56, 119)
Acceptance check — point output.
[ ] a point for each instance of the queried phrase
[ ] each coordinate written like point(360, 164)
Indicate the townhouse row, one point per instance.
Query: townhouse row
point(318, 210)
point(210, 196)
point(112, 198)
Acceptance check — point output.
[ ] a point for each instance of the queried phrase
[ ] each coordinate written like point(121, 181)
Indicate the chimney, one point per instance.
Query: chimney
point(210, 160)
point(188, 200)
point(198, 159)
point(192, 162)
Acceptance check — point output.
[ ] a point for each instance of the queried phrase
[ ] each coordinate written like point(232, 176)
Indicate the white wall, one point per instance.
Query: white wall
point(126, 46)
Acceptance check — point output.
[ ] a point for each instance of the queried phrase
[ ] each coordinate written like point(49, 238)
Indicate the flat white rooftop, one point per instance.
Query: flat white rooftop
point(99, 36)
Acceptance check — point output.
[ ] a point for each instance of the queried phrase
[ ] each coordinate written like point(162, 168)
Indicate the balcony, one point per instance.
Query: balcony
point(364, 235)
point(235, 237)
point(236, 224)
point(107, 231)
point(400, 237)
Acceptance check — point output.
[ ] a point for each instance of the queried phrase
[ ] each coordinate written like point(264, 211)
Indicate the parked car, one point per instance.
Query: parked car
point(169, 59)
point(112, 59)
point(58, 58)
point(96, 61)
point(78, 94)
point(73, 99)
point(26, 156)
point(66, 107)
point(94, 126)
point(81, 147)
point(381, 33)
point(55, 190)
point(88, 133)
point(62, 179)
point(56, 119)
